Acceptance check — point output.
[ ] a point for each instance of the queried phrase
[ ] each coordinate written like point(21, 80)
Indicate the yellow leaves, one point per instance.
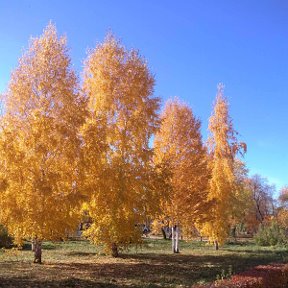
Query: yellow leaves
point(181, 157)
point(38, 143)
point(223, 183)
point(282, 217)
point(56, 141)
point(122, 116)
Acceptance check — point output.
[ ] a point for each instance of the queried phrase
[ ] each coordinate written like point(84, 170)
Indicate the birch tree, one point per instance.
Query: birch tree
point(122, 118)
point(39, 144)
point(223, 148)
point(179, 149)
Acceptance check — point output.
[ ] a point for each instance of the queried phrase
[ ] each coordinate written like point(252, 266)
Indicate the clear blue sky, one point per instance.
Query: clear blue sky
point(190, 47)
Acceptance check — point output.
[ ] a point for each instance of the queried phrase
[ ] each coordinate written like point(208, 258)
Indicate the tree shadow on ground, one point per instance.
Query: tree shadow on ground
point(76, 283)
point(81, 254)
point(137, 270)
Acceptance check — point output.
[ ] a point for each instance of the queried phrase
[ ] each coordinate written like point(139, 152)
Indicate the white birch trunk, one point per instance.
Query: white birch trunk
point(173, 239)
point(33, 245)
point(176, 239)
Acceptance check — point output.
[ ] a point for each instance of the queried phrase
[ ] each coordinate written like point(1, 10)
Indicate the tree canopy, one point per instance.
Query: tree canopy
point(122, 118)
point(40, 143)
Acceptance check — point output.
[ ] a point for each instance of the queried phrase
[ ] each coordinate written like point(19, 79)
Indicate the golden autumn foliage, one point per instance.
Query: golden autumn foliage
point(242, 195)
point(66, 151)
point(282, 218)
point(282, 215)
point(122, 118)
point(223, 147)
point(182, 160)
point(39, 143)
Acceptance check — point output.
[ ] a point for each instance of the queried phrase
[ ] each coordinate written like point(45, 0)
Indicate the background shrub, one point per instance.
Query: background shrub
point(271, 234)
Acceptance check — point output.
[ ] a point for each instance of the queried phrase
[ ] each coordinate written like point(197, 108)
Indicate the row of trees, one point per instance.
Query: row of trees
point(66, 147)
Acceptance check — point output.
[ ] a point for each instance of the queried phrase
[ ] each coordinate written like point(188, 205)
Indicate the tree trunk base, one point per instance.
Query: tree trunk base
point(37, 248)
point(114, 250)
point(163, 233)
point(175, 239)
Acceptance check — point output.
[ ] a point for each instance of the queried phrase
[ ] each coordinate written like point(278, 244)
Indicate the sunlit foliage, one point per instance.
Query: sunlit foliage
point(223, 147)
point(39, 143)
point(122, 118)
point(179, 150)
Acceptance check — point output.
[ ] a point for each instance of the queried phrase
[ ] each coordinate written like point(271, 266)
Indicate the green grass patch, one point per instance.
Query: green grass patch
point(81, 264)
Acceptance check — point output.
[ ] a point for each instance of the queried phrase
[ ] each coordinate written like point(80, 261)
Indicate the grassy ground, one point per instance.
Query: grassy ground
point(80, 264)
